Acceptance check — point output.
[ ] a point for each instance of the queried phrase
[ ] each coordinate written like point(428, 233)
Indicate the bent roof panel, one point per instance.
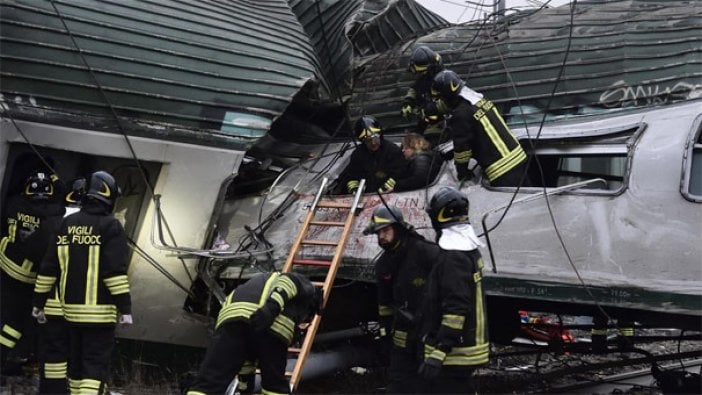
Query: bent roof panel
point(185, 64)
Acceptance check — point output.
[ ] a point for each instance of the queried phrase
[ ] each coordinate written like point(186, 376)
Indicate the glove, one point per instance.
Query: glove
point(406, 110)
point(126, 319)
point(463, 172)
point(430, 368)
point(388, 186)
point(263, 318)
point(39, 315)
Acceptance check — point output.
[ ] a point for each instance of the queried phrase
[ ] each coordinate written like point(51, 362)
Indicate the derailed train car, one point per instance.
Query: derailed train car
point(219, 137)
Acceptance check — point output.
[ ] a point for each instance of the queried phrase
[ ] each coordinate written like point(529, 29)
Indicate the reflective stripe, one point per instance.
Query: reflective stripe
point(44, 284)
point(63, 258)
point(288, 285)
point(626, 331)
point(598, 332)
point(453, 321)
point(18, 272)
point(480, 335)
point(91, 278)
point(234, 310)
point(505, 164)
point(462, 156)
point(191, 392)
point(12, 331)
point(474, 355)
point(399, 338)
point(90, 387)
point(384, 310)
point(9, 343)
point(494, 136)
point(55, 370)
point(74, 386)
point(53, 307)
point(284, 326)
point(106, 313)
point(118, 284)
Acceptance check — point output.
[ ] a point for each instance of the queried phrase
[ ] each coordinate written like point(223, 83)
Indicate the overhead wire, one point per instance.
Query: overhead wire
point(147, 182)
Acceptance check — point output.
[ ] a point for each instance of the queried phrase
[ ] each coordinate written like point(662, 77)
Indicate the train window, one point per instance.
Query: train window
point(567, 158)
point(692, 168)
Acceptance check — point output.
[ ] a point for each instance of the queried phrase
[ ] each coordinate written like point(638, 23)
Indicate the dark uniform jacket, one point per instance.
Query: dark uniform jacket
point(454, 319)
point(479, 131)
point(421, 170)
point(29, 227)
point(401, 276)
point(89, 263)
point(376, 167)
point(298, 301)
point(419, 94)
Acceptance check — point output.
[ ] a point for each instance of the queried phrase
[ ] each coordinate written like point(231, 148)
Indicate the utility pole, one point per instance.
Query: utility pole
point(499, 9)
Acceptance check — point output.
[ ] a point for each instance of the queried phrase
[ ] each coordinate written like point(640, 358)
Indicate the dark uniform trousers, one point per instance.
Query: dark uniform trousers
point(13, 316)
point(402, 372)
point(53, 353)
point(452, 380)
point(89, 358)
point(232, 345)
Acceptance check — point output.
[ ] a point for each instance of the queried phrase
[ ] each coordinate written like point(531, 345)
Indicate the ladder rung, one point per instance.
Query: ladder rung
point(327, 223)
point(320, 242)
point(288, 374)
point(333, 205)
point(318, 284)
point(294, 349)
point(312, 262)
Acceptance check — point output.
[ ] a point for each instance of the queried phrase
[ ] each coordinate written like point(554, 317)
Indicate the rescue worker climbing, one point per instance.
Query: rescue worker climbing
point(478, 131)
point(88, 262)
point(454, 321)
point(379, 161)
point(31, 217)
point(257, 322)
point(424, 64)
point(401, 273)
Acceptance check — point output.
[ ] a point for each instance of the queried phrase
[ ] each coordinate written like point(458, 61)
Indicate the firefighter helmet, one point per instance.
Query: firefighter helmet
point(367, 126)
point(424, 60)
point(448, 207)
point(103, 187)
point(384, 217)
point(77, 192)
point(447, 85)
point(39, 186)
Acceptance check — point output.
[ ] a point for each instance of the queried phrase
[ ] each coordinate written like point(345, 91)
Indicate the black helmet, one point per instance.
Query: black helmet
point(75, 196)
point(367, 126)
point(424, 60)
point(384, 217)
point(39, 187)
point(448, 207)
point(103, 187)
point(447, 85)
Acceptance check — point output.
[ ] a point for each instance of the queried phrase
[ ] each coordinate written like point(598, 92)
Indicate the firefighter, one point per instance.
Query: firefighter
point(424, 64)
point(54, 337)
point(453, 326)
point(257, 322)
point(379, 161)
point(401, 273)
point(478, 131)
point(88, 262)
point(31, 217)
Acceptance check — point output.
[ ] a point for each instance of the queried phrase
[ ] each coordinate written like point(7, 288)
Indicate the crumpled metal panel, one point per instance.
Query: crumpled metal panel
point(623, 54)
point(202, 71)
point(342, 29)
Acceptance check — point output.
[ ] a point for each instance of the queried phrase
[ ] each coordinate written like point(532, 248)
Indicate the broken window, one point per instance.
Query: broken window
point(692, 168)
point(567, 157)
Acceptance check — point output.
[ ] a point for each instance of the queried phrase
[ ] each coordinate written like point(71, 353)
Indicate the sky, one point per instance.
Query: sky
point(457, 11)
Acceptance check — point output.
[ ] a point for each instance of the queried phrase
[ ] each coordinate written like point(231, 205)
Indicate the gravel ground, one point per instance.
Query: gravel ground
point(521, 374)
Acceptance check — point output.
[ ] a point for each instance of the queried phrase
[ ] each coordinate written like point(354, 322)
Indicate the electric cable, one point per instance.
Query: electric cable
point(120, 127)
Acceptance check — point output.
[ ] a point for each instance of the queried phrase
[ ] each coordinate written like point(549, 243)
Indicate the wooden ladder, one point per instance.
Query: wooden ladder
point(331, 266)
